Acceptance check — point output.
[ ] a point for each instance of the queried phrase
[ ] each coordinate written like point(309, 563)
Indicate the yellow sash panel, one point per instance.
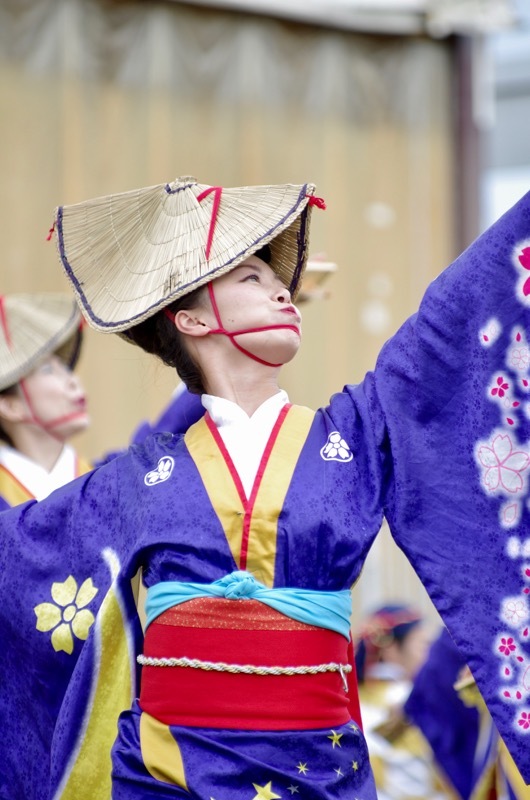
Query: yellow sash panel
point(232, 509)
point(112, 693)
point(12, 490)
point(517, 784)
point(160, 752)
point(82, 467)
point(219, 484)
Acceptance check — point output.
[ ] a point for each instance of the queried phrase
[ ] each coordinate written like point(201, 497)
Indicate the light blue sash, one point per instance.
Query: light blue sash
point(330, 610)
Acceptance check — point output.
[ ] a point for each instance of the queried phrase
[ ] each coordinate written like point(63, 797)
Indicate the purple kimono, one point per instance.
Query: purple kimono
point(435, 439)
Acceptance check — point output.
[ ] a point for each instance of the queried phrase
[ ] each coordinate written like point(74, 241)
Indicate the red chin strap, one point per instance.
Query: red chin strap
point(49, 426)
point(232, 334)
point(33, 417)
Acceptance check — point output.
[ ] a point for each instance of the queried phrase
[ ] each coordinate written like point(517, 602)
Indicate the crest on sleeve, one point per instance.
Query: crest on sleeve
point(162, 472)
point(336, 449)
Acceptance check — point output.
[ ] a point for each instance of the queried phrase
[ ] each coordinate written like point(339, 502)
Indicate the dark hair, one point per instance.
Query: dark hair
point(8, 391)
point(390, 623)
point(159, 336)
point(264, 253)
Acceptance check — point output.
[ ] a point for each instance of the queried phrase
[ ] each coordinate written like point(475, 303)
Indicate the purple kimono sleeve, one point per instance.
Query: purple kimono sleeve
point(58, 559)
point(454, 388)
point(434, 706)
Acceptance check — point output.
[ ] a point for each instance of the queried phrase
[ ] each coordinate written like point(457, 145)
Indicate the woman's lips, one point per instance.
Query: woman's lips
point(291, 310)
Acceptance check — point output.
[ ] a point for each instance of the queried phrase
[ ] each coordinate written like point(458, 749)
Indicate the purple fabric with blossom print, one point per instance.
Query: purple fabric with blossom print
point(461, 481)
point(431, 439)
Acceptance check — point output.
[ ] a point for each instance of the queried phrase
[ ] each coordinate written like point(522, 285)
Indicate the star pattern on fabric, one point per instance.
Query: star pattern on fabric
point(355, 766)
point(339, 771)
point(293, 789)
point(265, 792)
point(335, 738)
point(302, 768)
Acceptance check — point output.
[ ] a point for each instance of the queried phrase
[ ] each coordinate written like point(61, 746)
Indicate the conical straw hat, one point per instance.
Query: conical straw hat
point(32, 326)
point(129, 255)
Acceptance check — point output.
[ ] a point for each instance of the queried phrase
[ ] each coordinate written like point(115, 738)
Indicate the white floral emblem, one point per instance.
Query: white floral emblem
point(336, 449)
point(161, 473)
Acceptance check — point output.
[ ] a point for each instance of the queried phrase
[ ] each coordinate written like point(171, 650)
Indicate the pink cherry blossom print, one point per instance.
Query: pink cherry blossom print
point(514, 610)
point(501, 387)
point(520, 357)
point(510, 514)
point(524, 720)
point(524, 261)
point(526, 679)
point(524, 258)
point(503, 465)
point(507, 646)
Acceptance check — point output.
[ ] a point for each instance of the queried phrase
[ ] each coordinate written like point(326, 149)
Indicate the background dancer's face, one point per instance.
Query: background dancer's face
point(52, 397)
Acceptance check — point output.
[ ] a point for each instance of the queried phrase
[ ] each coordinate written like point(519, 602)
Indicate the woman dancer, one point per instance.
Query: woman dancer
point(42, 402)
point(251, 527)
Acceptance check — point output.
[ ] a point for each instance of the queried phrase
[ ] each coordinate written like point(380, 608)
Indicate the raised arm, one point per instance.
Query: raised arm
point(454, 389)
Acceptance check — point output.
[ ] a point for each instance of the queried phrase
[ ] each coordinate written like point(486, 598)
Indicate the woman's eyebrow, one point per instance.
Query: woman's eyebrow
point(253, 267)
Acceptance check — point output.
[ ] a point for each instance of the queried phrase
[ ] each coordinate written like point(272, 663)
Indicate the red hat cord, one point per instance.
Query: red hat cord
point(217, 190)
point(34, 418)
point(221, 330)
point(232, 334)
point(3, 321)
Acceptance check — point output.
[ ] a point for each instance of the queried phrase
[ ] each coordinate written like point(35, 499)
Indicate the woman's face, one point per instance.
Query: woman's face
point(253, 296)
point(56, 398)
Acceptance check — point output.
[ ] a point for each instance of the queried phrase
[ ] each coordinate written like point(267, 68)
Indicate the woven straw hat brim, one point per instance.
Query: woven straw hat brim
point(37, 326)
point(130, 254)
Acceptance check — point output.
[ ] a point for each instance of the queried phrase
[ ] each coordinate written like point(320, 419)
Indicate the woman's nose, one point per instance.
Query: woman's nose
point(74, 380)
point(283, 295)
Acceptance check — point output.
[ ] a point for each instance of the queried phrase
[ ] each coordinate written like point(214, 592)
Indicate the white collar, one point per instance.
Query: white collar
point(245, 437)
point(225, 412)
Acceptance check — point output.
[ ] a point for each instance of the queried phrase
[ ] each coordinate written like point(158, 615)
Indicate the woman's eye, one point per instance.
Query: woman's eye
point(252, 277)
point(46, 369)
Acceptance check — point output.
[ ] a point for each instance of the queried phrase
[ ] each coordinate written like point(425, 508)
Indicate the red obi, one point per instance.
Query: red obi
point(243, 632)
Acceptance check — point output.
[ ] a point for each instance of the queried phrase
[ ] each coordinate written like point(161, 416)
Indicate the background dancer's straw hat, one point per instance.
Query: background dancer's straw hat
point(33, 326)
point(130, 254)
point(317, 271)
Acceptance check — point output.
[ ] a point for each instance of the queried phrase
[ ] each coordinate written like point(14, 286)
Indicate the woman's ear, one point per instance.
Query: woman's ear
point(11, 408)
point(187, 321)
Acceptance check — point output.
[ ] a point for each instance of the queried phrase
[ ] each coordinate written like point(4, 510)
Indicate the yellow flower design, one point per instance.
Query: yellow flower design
point(68, 615)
